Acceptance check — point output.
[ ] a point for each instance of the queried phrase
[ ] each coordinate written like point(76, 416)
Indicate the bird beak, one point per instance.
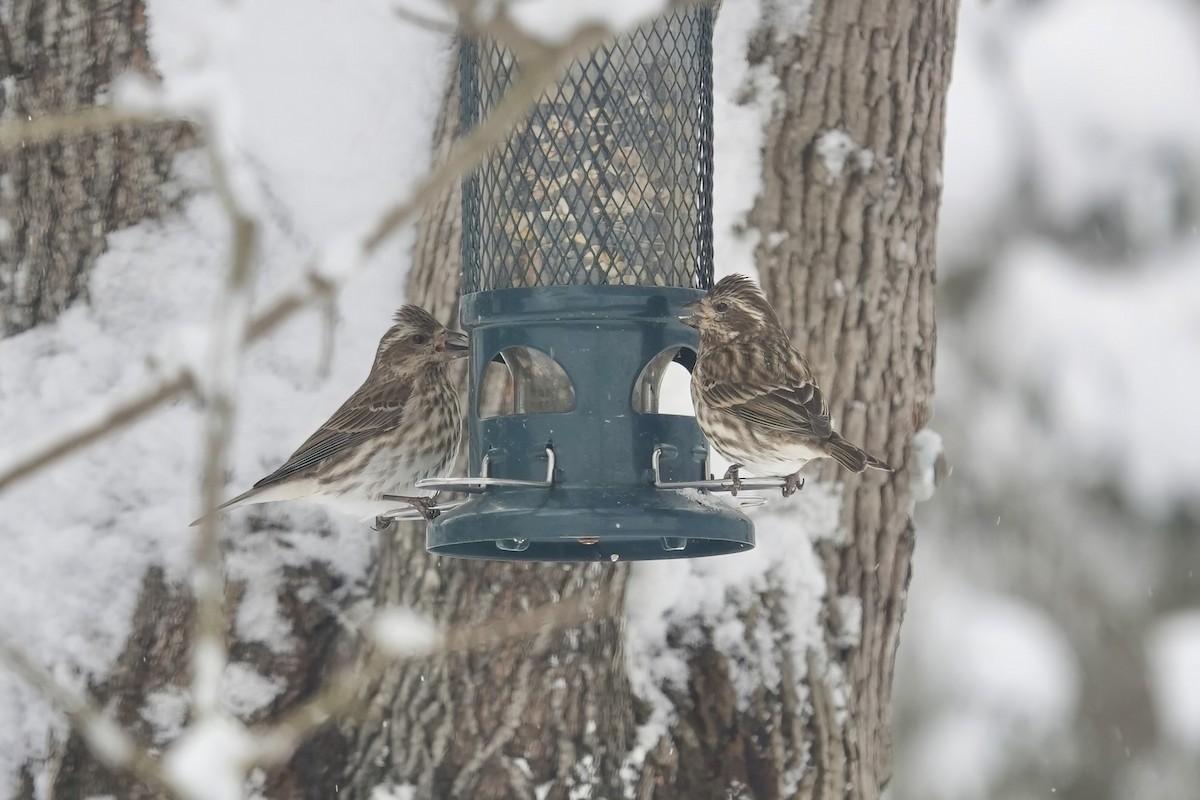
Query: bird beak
point(692, 320)
point(451, 345)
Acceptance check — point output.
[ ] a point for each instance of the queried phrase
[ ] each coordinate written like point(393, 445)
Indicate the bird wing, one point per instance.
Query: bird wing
point(372, 410)
point(795, 409)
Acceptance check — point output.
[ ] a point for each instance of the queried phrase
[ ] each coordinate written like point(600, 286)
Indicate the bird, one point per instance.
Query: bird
point(402, 425)
point(757, 401)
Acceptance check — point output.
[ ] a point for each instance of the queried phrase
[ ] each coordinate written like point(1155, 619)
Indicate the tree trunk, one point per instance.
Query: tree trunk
point(556, 717)
point(61, 198)
point(854, 279)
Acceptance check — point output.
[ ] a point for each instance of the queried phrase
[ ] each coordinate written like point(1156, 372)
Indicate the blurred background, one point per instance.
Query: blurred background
point(1052, 642)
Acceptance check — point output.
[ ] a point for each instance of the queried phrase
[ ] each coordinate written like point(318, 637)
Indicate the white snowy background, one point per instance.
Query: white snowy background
point(1052, 644)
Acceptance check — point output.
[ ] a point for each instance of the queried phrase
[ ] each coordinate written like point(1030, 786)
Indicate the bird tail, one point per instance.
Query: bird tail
point(259, 494)
point(852, 458)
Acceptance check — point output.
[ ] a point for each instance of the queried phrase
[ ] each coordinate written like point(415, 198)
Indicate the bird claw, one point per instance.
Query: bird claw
point(731, 474)
point(792, 484)
point(426, 506)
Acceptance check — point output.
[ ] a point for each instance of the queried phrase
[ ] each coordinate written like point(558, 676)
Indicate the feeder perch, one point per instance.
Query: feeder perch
point(583, 237)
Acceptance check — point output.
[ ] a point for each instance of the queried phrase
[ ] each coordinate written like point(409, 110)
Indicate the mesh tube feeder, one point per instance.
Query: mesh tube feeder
point(583, 236)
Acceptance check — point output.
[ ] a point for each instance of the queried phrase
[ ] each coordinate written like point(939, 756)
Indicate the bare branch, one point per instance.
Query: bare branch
point(225, 351)
point(18, 132)
point(96, 424)
point(421, 21)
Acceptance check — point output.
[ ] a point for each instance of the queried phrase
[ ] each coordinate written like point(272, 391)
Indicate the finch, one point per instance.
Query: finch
point(756, 400)
point(402, 425)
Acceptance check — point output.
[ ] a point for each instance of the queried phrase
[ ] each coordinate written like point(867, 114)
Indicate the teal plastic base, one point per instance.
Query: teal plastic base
point(603, 504)
point(590, 524)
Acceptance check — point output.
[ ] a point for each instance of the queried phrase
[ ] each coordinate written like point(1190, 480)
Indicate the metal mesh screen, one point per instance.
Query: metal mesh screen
point(609, 180)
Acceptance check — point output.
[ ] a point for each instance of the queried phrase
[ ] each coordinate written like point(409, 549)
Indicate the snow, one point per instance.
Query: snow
point(689, 595)
point(1109, 96)
point(928, 453)
point(788, 17)
point(1013, 659)
point(243, 690)
point(166, 711)
point(555, 22)
point(1106, 355)
point(743, 97)
point(209, 760)
point(997, 674)
point(394, 792)
point(400, 632)
point(1066, 401)
point(835, 147)
point(1173, 652)
point(330, 130)
point(981, 164)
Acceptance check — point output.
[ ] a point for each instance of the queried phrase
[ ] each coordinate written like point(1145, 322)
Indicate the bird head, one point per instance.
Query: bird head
point(417, 341)
point(733, 307)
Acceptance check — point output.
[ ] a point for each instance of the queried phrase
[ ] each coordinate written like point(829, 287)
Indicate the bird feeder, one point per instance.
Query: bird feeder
point(582, 238)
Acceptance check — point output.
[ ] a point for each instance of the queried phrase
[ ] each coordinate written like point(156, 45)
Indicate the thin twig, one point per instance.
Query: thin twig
point(96, 424)
point(209, 654)
point(18, 132)
point(421, 21)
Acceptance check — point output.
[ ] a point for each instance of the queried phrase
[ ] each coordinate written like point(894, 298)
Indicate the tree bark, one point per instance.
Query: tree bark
point(60, 199)
point(854, 280)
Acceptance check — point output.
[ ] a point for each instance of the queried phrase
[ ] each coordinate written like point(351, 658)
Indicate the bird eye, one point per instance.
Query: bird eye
point(419, 338)
point(720, 308)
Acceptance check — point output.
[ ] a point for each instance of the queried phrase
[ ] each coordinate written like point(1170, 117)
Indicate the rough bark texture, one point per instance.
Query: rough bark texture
point(854, 278)
point(59, 199)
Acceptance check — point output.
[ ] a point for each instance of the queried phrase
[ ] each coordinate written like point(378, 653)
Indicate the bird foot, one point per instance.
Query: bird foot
point(426, 505)
point(792, 484)
point(731, 474)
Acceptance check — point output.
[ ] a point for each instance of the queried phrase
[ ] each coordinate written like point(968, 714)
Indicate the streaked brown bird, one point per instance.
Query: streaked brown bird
point(402, 425)
point(756, 400)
